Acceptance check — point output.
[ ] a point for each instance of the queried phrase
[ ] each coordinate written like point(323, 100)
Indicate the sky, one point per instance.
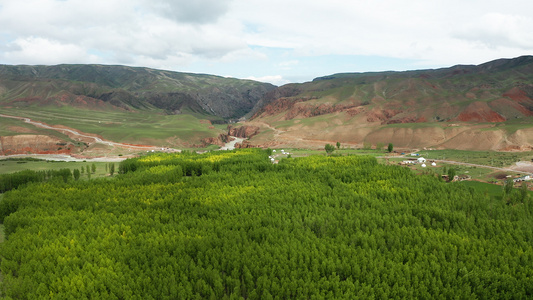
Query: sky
point(276, 41)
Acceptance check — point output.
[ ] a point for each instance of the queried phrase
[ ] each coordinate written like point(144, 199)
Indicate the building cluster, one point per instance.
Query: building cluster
point(413, 161)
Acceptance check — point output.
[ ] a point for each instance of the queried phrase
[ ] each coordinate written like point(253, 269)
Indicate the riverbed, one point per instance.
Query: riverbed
point(231, 145)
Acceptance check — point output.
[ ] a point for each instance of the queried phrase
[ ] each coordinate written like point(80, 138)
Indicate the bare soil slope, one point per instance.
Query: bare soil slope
point(483, 107)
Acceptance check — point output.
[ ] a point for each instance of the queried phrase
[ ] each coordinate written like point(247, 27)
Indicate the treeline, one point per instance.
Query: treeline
point(14, 180)
point(231, 225)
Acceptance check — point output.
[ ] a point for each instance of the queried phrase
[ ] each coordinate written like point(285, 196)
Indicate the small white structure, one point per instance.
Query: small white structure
point(274, 151)
point(434, 164)
point(415, 154)
point(421, 160)
point(423, 165)
point(523, 178)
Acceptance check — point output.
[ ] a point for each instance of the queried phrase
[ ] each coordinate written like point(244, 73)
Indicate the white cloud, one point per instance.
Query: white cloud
point(180, 34)
point(496, 30)
point(187, 11)
point(42, 51)
point(134, 31)
point(419, 29)
point(274, 79)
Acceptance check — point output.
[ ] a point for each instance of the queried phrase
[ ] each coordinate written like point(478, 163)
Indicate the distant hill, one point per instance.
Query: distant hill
point(129, 105)
point(128, 88)
point(487, 106)
point(423, 108)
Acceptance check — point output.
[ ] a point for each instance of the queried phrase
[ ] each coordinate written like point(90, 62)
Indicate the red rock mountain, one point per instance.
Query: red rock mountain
point(488, 106)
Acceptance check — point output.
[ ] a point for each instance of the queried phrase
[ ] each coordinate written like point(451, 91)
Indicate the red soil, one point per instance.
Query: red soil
point(479, 112)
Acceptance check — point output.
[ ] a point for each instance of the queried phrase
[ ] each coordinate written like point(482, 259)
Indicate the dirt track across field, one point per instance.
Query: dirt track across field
point(74, 134)
point(511, 169)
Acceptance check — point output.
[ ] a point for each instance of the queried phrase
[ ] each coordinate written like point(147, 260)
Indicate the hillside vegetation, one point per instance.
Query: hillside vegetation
point(232, 225)
point(128, 88)
point(484, 107)
point(118, 103)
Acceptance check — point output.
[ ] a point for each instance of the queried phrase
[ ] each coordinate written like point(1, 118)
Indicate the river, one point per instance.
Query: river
point(231, 145)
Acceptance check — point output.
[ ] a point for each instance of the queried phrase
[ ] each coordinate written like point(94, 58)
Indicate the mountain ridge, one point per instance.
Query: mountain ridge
point(462, 106)
point(359, 108)
point(138, 87)
point(500, 63)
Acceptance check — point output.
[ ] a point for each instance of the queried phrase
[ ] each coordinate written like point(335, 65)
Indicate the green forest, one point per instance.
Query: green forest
point(232, 225)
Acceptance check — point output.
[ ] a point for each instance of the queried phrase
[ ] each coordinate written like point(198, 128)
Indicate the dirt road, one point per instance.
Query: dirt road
point(76, 134)
point(480, 166)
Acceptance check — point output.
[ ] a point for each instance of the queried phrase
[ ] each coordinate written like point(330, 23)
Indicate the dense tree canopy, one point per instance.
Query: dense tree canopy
point(227, 225)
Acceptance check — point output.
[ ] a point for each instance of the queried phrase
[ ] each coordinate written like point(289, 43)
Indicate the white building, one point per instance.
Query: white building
point(523, 178)
point(421, 160)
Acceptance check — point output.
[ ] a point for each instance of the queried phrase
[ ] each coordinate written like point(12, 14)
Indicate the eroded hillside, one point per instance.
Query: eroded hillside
point(121, 104)
point(464, 107)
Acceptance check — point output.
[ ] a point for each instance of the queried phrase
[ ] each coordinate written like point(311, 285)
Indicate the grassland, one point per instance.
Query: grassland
point(488, 158)
point(9, 126)
point(489, 190)
point(13, 165)
point(149, 127)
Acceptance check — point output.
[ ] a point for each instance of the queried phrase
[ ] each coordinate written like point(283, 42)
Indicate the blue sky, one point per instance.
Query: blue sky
point(274, 41)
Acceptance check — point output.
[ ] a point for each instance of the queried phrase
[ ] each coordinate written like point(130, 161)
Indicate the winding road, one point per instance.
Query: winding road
point(228, 146)
point(76, 133)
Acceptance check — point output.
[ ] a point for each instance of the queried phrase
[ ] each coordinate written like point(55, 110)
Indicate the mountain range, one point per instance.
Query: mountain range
point(487, 106)
point(129, 88)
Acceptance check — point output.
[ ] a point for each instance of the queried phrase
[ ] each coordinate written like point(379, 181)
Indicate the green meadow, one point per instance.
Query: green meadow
point(15, 165)
point(152, 127)
point(488, 158)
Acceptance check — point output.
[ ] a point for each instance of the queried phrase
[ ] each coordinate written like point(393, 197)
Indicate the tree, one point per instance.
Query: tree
point(111, 168)
point(93, 168)
point(524, 192)
point(508, 186)
point(390, 147)
point(451, 174)
point(379, 146)
point(76, 174)
point(329, 148)
point(338, 145)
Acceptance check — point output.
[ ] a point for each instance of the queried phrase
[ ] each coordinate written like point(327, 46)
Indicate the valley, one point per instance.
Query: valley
point(483, 107)
point(241, 222)
point(94, 111)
